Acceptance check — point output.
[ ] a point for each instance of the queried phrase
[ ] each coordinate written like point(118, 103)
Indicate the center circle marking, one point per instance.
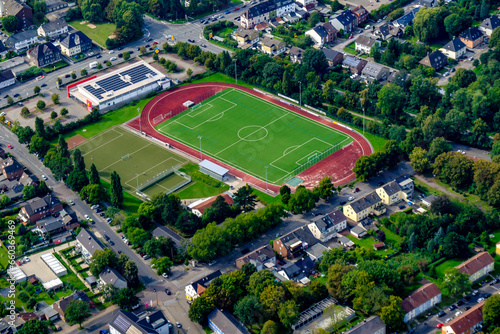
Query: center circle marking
point(252, 133)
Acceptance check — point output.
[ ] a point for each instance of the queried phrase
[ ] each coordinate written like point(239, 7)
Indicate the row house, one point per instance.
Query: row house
point(246, 36)
point(261, 258)
point(53, 29)
point(51, 226)
point(365, 206)
point(345, 21)
point(325, 228)
point(469, 322)
point(477, 266)
point(87, 244)
point(293, 244)
point(390, 193)
point(11, 169)
point(407, 185)
point(323, 34)
point(21, 10)
point(44, 55)
point(38, 208)
point(22, 40)
point(354, 65)
point(265, 11)
point(333, 57)
point(307, 5)
point(420, 301)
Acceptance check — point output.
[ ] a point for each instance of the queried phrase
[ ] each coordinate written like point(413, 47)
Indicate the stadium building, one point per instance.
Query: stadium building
point(118, 87)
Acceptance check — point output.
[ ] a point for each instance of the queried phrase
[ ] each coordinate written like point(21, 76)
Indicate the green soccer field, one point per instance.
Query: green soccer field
point(251, 134)
point(135, 159)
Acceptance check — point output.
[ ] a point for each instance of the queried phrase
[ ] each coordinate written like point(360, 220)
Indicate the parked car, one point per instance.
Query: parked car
point(10, 146)
point(452, 307)
point(102, 214)
point(165, 275)
point(480, 299)
point(71, 202)
point(43, 85)
point(355, 190)
point(98, 210)
point(245, 250)
point(343, 202)
point(147, 257)
point(87, 217)
point(441, 314)
point(467, 308)
point(351, 198)
point(167, 291)
point(44, 177)
point(401, 207)
point(178, 324)
point(237, 8)
point(120, 55)
point(111, 242)
point(212, 262)
point(109, 220)
point(113, 58)
point(460, 302)
point(439, 325)
point(67, 76)
point(111, 52)
point(98, 56)
point(95, 206)
point(448, 320)
point(106, 237)
point(475, 292)
point(458, 313)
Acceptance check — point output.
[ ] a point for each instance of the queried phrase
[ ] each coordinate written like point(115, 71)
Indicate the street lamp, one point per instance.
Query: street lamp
point(300, 93)
point(156, 296)
point(139, 112)
point(266, 179)
point(235, 70)
point(201, 155)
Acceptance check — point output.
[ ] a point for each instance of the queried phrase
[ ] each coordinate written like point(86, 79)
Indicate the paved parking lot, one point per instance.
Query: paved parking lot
point(37, 267)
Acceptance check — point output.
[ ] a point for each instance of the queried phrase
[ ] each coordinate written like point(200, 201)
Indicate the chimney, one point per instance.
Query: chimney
point(147, 319)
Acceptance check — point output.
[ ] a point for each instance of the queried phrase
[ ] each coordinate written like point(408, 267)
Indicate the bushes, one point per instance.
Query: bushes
point(29, 73)
point(199, 176)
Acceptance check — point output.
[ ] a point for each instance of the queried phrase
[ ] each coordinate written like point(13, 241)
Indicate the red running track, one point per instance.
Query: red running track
point(338, 166)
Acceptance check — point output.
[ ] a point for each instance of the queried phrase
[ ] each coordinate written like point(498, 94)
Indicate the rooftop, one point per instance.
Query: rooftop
point(476, 263)
point(89, 241)
point(365, 202)
point(467, 320)
point(368, 326)
point(219, 170)
point(420, 296)
point(226, 323)
point(203, 204)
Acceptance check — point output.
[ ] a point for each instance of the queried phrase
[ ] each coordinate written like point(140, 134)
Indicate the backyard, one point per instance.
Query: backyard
point(99, 34)
point(368, 243)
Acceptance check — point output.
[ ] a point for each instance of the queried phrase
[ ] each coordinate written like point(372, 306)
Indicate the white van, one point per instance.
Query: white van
point(93, 64)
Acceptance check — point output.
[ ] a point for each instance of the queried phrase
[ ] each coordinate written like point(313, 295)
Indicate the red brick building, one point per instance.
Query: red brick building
point(38, 208)
point(361, 14)
point(11, 169)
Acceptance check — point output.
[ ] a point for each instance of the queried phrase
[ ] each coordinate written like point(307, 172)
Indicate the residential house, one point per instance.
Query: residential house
point(359, 232)
point(38, 208)
point(345, 21)
point(28, 180)
point(21, 10)
point(429, 200)
point(151, 323)
point(326, 227)
point(489, 24)
point(307, 4)
point(7, 79)
point(390, 193)
point(87, 243)
point(361, 14)
point(223, 322)
point(477, 266)
point(333, 57)
point(44, 54)
point(435, 59)
point(364, 206)
point(372, 325)
point(62, 304)
point(10, 325)
point(318, 35)
point(472, 37)
point(355, 65)
point(346, 242)
point(376, 71)
point(195, 289)
point(265, 11)
point(261, 27)
point(75, 43)
point(406, 19)
point(291, 18)
point(364, 43)
point(454, 49)
point(471, 321)
point(289, 271)
point(378, 246)
point(165, 232)
point(272, 47)
point(428, 3)
point(295, 54)
point(316, 251)
point(113, 277)
point(11, 169)
point(22, 40)
point(12, 188)
point(50, 226)
point(420, 301)
point(246, 36)
point(3, 49)
point(388, 30)
point(331, 32)
point(199, 207)
point(262, 258)
point(407, 185)
point(294, 243)
point(53, 5)
point(53, 29)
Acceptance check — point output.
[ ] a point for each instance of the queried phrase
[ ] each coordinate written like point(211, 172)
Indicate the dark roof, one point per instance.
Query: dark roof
point(163, 231)
point(261, 255)
point(365, 202)
point(471, 34)
point(346, 17)
point(291, 269)
point(226, 323)
point(74, 39)
point(322, 222)
point(153, 321)
point(6, 75)
point(295, 51)
point(259, 9)
point(320, 31)
point(2, 47)
point(50, 223)
point(79, 295)
point(352, 61)
point(330, 28)
point(126, 322)
point(407, 18)
point(435, 59)
point(36, 203)
point(89, 241)
point(337, 217)
point(475, 263)
point(205, 281)
point(14, 6)
point(21, 36)
point(420, 296)
point(53, 25)
point(10, 165)
point(454, 45)
point(301, 234)
point(391, 188)
point(368, 326)
point(111, 276)
point(330, 54)
point(41, 50)
point(305, 264)
point(492, 23)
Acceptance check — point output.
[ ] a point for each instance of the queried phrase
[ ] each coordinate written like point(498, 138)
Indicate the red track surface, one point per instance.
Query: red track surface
point(338, 165)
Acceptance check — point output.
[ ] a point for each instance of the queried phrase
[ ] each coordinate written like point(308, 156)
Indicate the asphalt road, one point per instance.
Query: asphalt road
point(146, 275)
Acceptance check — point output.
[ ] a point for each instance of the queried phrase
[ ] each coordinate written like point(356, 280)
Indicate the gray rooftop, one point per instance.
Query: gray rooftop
point(454, 45)
point(89, 241)
point(392, 188)
point(21, 36)
point(365, 202)
point(111, 276)
point(368, 326)
point(226, 323)
point(53, 25)
point(219, 170)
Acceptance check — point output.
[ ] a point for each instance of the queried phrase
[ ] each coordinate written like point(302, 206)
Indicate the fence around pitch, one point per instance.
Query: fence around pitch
point(329, 151)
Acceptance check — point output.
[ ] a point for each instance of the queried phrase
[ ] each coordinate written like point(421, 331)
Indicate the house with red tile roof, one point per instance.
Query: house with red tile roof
point(420, 301)
point(466, 323)
point(477, 266)
point(199, 207)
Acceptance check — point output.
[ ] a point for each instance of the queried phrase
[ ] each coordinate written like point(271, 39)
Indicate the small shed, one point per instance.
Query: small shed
point(379, 246)
point(217, 172)
point(358, 232)
point(429, 200)
point(91, 280)
point(34, 280)
point(346, 242)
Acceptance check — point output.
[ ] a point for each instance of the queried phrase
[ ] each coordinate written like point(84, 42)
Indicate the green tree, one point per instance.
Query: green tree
point(392, 314)
point(395, 14)
point(463, 78)
point(200, 308)
point(259, 280)
point(302, 201)
point(270, 327)
point(10, 23)
point(77, 312)
point(455, 283)
point(288, 312)
point(189, 72)
point(39, 146)
point(162, 265)
point(116, 190)
point(131, 273)
point(244, 198)
point(101, 259)
point(365, 168)
point(391, 100)
point(73, 75)
point(485, 10)
point(63, 112)
point(272, 297)
point(39, 127)
point(40, 104)
point(142, 50)
point(210, 242)
point(93, 193)
point(455, 23)
point(10, 101)
point(62, 147)
point(34, 326)
point(315, 59)
point(479, 133)
point(94, 175)
point(25, 112)
point(454, 245)
point(77, 179)
point(36, 90)
point(491, 312)
point(40, 9)
point(495, 39)
point(325, 188)
point(438, 146)
point(78, 160)
point(126, 299)
point(429, 23)
point(334, 282)
point(249, 310)
point(419, 160)
point(55, 98)
point(53, 115)
point(83, 72)
point(29, 192)
point(126, 55)
point(99, 66)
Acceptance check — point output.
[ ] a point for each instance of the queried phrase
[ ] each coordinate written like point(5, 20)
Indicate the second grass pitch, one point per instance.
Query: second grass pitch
point(135, 159)
point(253, 135)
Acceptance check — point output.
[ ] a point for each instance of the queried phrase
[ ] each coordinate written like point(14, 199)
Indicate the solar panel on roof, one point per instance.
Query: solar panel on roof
point(122, 323)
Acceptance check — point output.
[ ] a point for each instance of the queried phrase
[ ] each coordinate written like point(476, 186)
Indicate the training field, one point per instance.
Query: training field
point(128, 154)
point(251, 134)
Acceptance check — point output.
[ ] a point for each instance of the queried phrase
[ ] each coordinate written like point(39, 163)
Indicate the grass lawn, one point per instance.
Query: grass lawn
point(266, 197)
point(441, 268)
point(107, 120)
point(197, 189)
point(298, 142)
point(53, 67)
point(376, 141)
point(237, 2)
point(71, 276)
point(100, 34)
point(474, 199)
point(389, 235)
point(226, 32)
point(130, 203)
point(219, 77)
point(4, 257)
point(350, 49)
point(222, 45)
point(368, 243)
